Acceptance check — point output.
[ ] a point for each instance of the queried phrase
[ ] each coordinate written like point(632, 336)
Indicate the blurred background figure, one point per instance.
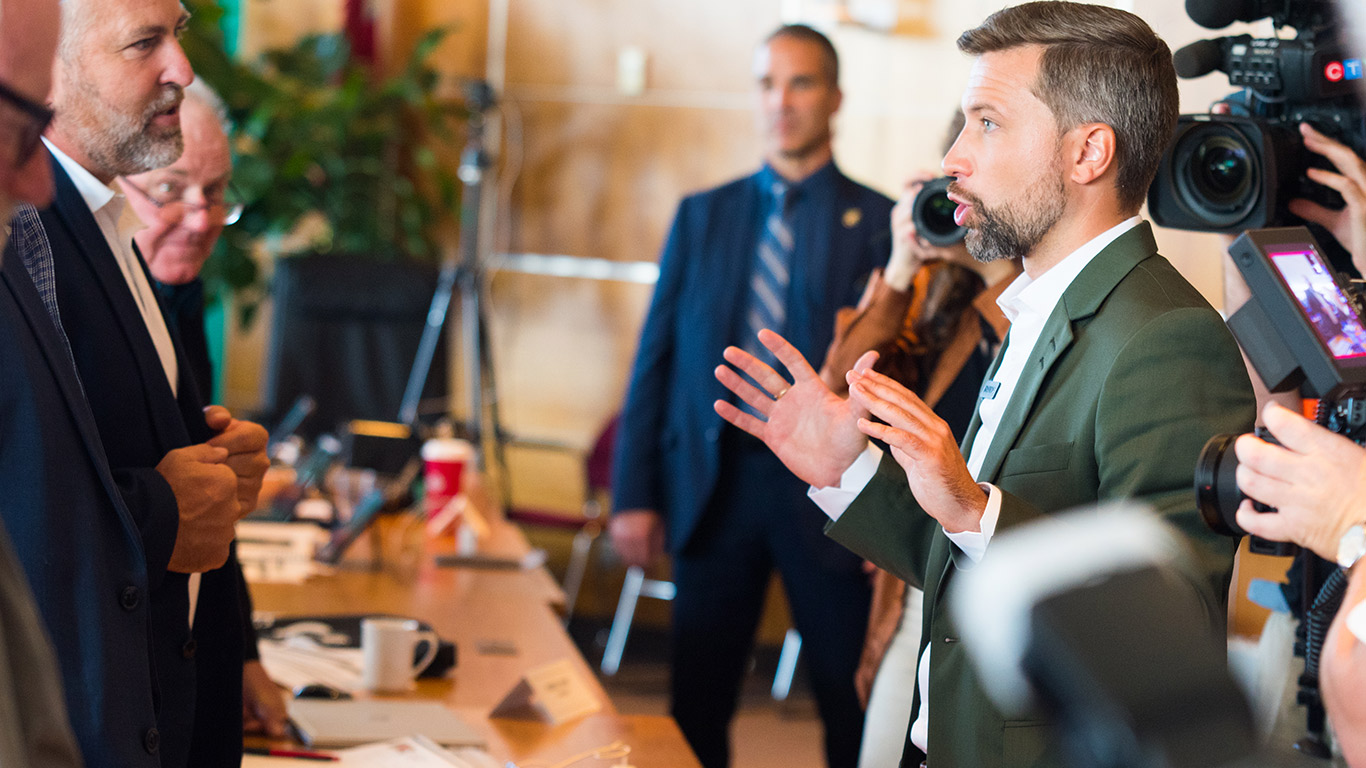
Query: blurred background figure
point(781, 249)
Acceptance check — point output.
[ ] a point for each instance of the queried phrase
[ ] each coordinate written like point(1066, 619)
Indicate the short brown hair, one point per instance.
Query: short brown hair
point(1099, 65)
point(810, 35)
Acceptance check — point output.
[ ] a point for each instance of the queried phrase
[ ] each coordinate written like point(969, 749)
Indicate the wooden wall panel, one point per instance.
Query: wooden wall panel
point(702, 45)
point(603, 180)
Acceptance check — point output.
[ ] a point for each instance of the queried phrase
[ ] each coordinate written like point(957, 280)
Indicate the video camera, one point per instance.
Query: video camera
point(1302, 329)
point(1237, 171)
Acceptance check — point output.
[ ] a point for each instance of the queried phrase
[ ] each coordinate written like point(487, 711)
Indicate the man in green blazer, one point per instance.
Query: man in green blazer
point(1114, 374)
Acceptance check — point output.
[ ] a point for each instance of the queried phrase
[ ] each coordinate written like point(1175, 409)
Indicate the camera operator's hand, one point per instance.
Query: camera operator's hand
point(1315, 479)
point(1349, 224)
point(909, 251)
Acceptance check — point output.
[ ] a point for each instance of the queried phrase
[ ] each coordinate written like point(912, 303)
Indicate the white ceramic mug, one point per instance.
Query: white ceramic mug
point(387, 646)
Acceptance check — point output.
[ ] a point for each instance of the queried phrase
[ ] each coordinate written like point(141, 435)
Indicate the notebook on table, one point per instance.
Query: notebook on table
point(326, 723)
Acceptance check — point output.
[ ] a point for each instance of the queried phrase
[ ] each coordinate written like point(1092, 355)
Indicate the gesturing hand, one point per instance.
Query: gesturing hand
point(813, 431)
point(923, 445)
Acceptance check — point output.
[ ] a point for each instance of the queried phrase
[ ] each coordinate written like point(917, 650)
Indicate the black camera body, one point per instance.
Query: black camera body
point(1237, 171)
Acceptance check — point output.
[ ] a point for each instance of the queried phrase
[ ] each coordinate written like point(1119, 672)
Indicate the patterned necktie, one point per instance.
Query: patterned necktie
point(31, 243)
point(771, 277)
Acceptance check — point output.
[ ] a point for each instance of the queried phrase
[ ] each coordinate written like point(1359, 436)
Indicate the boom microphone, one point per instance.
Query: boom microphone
point(1217, 14)
point(1205, 56)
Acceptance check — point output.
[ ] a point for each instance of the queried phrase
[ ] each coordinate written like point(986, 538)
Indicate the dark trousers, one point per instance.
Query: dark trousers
point(761, 519)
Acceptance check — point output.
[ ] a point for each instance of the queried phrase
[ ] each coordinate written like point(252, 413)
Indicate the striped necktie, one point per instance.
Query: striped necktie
point(768, 285)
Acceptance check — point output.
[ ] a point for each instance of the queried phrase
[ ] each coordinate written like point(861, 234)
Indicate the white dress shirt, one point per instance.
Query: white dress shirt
point(118, 223)
point(1027, 303)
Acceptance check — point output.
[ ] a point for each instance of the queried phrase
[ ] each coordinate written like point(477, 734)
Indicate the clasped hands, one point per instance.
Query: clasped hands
point(215, 484)
point(818, 434)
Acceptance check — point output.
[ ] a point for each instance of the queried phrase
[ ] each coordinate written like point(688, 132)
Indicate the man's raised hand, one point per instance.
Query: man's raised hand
point(923, 444)
point(813, 431)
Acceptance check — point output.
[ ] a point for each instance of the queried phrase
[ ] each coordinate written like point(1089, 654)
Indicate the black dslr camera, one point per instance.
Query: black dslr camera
point(1237, 171)
point(1302, 330)
point(932, 213)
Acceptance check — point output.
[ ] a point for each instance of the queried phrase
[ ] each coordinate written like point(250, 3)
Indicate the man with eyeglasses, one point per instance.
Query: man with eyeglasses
point(185, 207)
point(76, 542)
point(187, 473)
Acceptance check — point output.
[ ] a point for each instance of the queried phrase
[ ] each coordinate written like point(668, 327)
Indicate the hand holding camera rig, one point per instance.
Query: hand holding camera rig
point(1315, 480)
point(1347, 224)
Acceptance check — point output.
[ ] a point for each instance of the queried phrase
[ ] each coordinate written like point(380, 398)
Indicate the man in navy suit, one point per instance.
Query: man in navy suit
point(783, 248)
point(186, 473)
point(80, 549)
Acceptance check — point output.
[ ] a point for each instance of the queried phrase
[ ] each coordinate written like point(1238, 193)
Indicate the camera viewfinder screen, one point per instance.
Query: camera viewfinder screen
point(1332, 316)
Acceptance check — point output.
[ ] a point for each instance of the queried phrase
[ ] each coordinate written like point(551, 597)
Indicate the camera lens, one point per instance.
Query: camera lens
point(1216, 486)
point(1218, 174)
point(932, 212)
point(1222, 170)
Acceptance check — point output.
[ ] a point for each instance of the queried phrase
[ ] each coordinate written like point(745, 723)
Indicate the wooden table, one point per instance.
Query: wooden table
point(480, 609)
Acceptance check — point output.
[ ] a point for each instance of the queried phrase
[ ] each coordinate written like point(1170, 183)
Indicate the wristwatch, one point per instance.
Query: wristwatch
point(1352, 545)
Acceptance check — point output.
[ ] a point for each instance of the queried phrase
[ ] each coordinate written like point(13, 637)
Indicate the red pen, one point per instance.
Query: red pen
point(297, 754)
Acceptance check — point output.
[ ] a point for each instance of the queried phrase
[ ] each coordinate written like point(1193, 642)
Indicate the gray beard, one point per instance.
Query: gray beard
point(119, 144)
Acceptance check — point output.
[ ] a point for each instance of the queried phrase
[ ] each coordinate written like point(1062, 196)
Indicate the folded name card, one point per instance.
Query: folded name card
point(554, 692)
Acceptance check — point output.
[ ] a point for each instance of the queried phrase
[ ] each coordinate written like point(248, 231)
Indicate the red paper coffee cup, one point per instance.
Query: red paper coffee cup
point(443, 462)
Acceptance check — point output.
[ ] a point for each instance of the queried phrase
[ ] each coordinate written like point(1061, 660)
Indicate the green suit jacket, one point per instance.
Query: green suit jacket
point(1132, 373)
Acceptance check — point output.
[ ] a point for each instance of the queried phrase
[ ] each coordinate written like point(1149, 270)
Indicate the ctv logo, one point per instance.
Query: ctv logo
point(1347, 69)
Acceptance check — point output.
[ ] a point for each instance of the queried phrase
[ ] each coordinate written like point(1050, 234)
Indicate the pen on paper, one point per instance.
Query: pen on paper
point(297, 754)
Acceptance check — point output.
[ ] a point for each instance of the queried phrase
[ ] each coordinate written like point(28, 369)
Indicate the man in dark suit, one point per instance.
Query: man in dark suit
point(783, 248)
point(1114, 374)
point(186, 473)
point(185, 206)
point(34, 729)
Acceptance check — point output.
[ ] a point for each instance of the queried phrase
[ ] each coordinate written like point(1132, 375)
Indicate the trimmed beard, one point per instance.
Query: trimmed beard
point(1012, 231)
point(117, 143)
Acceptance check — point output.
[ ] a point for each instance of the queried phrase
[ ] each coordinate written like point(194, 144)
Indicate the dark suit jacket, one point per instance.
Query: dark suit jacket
point(667, 455)
point(140, 421)
point(1132, 373)
point(85, 556)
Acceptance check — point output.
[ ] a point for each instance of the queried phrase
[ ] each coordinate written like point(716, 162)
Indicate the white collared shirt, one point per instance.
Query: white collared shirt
point(1027, 303)
point(118, 223)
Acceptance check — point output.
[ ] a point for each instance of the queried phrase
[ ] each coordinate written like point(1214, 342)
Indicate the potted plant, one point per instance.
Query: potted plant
point(340, 171)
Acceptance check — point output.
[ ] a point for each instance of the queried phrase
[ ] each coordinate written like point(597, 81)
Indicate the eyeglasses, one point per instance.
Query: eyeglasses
point(30, 134)
point(171, 205)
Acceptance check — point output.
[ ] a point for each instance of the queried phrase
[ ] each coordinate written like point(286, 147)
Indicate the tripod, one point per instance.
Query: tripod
point(463, 271)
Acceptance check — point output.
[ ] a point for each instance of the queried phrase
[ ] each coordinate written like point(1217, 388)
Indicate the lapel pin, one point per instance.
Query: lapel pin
point(852, 217)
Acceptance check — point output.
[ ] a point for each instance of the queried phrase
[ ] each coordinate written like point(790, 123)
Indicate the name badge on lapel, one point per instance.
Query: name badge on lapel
point(988, 391)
